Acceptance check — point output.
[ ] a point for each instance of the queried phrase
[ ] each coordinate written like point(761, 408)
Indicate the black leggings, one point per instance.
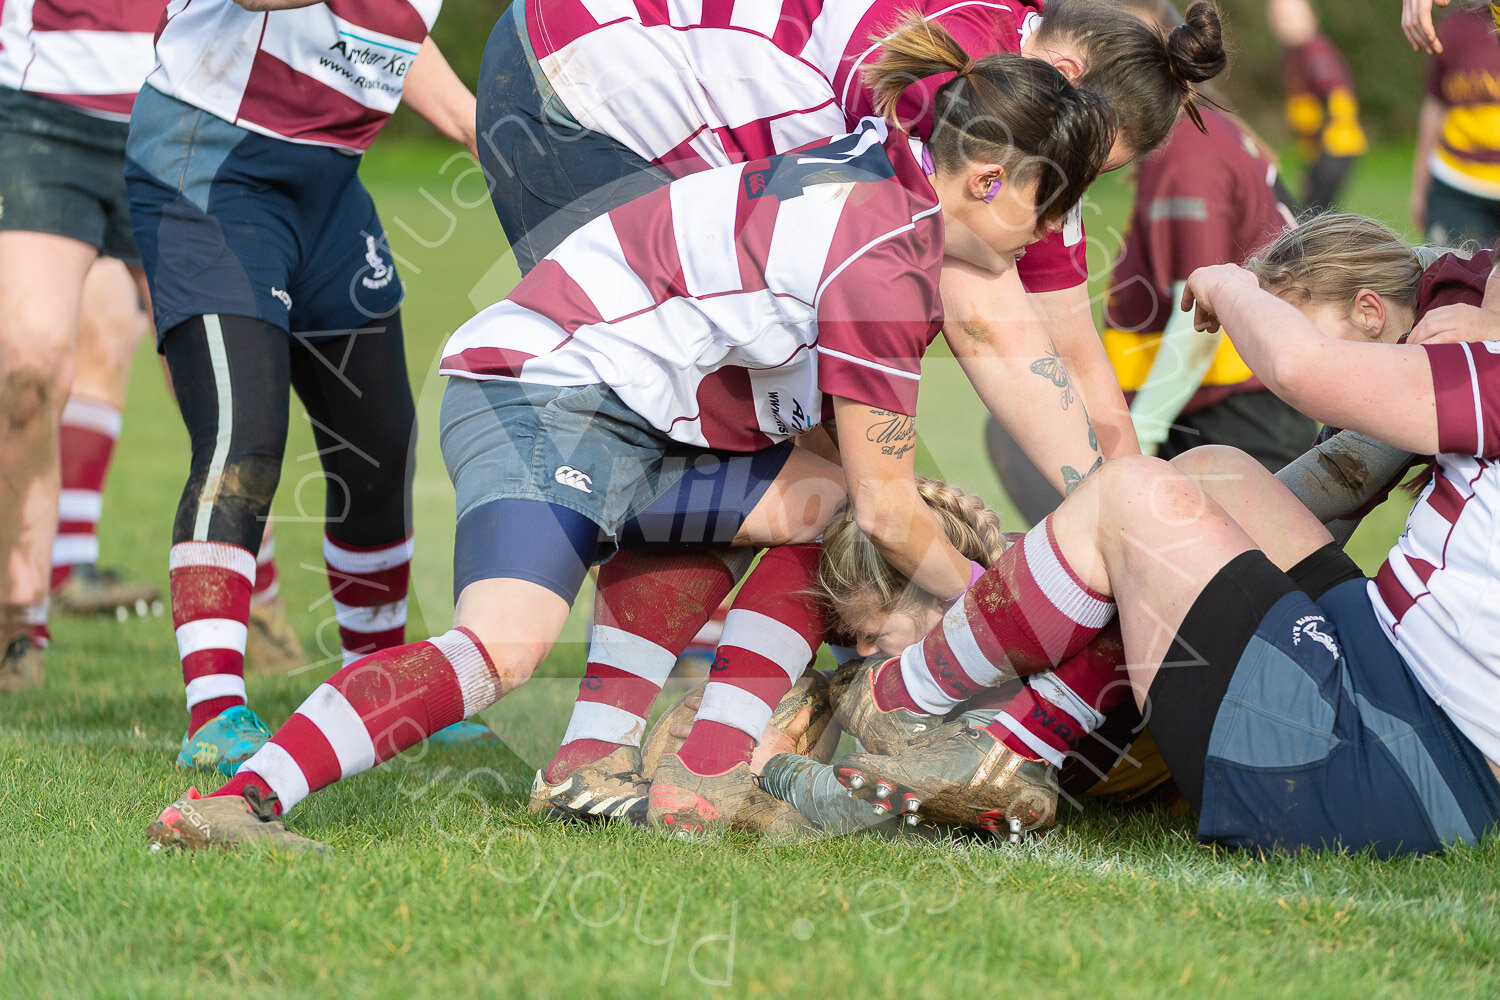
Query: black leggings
point(232, 376)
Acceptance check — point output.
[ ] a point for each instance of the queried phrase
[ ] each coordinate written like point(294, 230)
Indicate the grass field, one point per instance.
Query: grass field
point(441, 884)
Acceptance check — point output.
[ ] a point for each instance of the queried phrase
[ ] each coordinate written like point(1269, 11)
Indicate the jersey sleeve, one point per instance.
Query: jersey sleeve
point(1059, 261)
point(876, 317)
point(1466, 382)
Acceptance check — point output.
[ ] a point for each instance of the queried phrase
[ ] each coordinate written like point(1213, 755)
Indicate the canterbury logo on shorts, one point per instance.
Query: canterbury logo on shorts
point(568, 476)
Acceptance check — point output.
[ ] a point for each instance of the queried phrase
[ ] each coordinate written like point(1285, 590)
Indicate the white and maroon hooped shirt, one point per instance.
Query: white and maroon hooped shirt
point(92, 54)
point(1438, 594)
point(694, 84)
point(327, 75)
point(727, 307)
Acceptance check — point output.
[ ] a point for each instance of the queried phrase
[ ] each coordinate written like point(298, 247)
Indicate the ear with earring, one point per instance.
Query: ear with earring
point(992, 190)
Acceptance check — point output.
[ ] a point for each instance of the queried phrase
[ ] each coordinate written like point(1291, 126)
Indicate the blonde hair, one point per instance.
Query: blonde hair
point(856, 582)
point(1332, 256)
point(1020, 113)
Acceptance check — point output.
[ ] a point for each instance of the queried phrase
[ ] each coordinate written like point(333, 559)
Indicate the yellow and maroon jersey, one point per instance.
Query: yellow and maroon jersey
point(1465, 77)
point(1321, 108)
point(1199, 200)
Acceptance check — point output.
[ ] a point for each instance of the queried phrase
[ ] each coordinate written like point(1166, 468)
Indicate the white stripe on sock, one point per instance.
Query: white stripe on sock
point(959, 634)
point(361, 562)
point(266, 552)
point(342, 727)
point(733, 706)
point(201, 689)
point(217, 554)
point(766, 637)
point(92, 415)
point(219, 357)
point(1048, 685)
point(593, 720)
point(281, 771)
point(71, 550)
point(1058, 584)
point(476, 678)
point(210, 633)
point(80, 505)
point(631, 653)
point(1037, 745)
point(377, 618)
point(920, 683)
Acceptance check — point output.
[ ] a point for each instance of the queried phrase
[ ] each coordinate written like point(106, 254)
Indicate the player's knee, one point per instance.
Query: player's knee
point(1216, 461)
point(1139, 486)
point(32, 394)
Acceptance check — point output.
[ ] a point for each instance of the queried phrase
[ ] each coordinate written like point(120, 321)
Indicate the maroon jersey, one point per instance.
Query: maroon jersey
point(1199, 200)
point(1320, 104)
point(1465, 78)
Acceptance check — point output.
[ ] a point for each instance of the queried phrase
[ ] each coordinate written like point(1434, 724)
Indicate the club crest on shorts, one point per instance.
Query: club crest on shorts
point(381, 273)
point(1306, 627)
point(282, 295)
point(566, 475)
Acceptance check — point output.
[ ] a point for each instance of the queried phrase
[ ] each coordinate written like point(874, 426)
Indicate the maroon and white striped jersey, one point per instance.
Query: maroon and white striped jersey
point(92, 54)
point(694, 84)
point(326, 75)
point(1438, 594)
point(728, 307)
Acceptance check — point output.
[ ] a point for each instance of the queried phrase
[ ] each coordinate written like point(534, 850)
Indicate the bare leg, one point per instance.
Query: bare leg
point(110, 327)
point(1285, 530)
point(41, 278)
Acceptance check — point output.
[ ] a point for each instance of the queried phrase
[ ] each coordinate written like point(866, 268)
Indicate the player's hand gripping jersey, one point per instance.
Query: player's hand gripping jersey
point(90, 55)
point(329, 74)
point(690, 87)
point(727, 307)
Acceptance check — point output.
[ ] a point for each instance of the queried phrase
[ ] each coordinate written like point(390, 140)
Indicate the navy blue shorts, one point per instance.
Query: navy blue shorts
point(1322, 737)
point(229, 221)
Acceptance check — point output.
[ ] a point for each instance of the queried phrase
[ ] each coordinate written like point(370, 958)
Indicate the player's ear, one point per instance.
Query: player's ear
point(1068, 64)
point(1369, 313)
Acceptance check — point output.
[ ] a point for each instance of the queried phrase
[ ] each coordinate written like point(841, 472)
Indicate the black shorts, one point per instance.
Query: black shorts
point(1290, 721)
point(64, 174)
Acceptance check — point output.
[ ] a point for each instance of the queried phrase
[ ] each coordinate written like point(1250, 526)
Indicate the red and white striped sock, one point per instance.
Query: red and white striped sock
point(28, 618)
point(1058, 708)
point(1027, 613)
point(370, 711)
point(210, 605)
point(267, 584)
point(86, 443)
point(647, 607)
point(770, 635)
point(369, 594)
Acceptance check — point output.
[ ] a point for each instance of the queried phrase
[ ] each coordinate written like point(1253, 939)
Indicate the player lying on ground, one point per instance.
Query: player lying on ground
point(1028, 373)
point(655, 368)
point(1297, 703)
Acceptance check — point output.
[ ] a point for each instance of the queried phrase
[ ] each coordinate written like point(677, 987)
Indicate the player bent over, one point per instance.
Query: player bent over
point(698, 328)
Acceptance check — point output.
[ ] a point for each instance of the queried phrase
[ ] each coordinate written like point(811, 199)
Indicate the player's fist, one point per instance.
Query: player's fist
point(1204, 286)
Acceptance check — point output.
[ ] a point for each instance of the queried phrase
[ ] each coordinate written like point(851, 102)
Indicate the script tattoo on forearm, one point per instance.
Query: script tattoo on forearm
point(896, 433)
point(1055, 370)
point(1072, 477)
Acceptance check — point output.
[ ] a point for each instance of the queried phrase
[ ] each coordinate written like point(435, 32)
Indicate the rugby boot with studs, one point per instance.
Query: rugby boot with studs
point(610, 788)
point(225, 821)
point(959, 774)
point(89, 590)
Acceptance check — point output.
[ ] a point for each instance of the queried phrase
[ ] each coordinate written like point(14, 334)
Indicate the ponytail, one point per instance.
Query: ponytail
point(1147, 74)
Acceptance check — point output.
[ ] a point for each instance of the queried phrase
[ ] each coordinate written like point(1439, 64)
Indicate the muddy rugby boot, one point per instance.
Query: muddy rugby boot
point(611, 788)
point(959, 774)
point(225, 821)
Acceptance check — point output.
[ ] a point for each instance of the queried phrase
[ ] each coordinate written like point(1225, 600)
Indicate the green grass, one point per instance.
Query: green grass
point(441, 884)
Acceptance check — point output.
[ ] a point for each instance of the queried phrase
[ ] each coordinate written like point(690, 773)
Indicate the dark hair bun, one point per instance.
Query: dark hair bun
point(1196, 47)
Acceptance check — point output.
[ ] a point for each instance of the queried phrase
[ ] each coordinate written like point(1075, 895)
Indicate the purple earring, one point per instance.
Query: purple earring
point(992, 190)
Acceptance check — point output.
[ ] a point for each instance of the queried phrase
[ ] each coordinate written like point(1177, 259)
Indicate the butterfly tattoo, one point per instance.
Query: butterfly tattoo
point(1052, 368)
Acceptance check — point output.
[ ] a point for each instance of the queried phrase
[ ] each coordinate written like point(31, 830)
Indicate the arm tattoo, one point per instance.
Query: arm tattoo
point(1072, 477)
point(896, 433)
point(1093, 437)
point(1052, 368)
